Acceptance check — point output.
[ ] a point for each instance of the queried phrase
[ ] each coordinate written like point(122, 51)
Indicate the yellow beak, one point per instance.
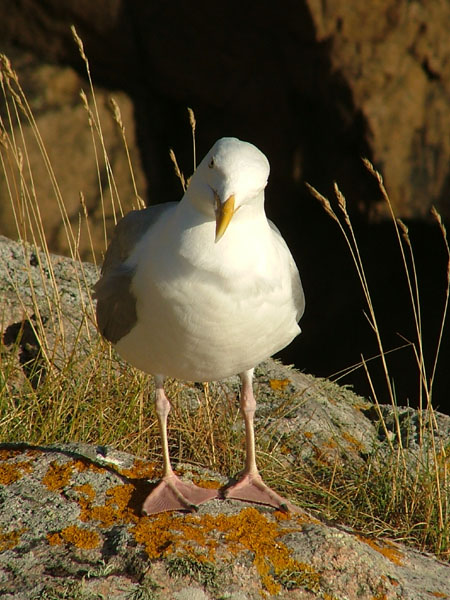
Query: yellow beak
point(224, 212)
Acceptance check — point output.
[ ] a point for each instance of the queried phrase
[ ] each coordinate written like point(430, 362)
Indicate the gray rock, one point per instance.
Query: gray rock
point(191, 593)
point(70, 521)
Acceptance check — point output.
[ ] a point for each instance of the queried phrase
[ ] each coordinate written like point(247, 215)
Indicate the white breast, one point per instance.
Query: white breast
point(207, 311)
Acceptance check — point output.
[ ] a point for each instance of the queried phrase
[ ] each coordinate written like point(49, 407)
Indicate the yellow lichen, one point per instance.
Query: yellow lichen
point(81, 538)
point(10, 539)
point(154, 534)
point(279, 384)
point(7, 453)
point(11, 472)
point(352, 441)
point(207, 483)
point(57, 476)
point(115, 510)
point(140, 470)
point(120, 495)
point(248, 531)
point(87, 490)
point(33, 452)
point(384, 548)
point(85, 465)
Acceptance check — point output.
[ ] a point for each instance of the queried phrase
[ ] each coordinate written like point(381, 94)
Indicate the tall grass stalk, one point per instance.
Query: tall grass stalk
point(428, 427)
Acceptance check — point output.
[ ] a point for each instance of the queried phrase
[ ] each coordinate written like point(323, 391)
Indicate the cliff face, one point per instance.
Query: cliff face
point(315, 85)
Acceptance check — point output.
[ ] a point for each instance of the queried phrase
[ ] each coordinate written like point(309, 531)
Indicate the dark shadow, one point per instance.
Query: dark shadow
point(22, 335)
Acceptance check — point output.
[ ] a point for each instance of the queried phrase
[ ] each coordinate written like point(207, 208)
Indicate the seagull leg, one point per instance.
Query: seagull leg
point(171, 493)
point(250, 486)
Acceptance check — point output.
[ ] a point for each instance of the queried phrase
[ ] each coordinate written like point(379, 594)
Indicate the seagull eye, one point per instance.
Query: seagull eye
point(211, 163)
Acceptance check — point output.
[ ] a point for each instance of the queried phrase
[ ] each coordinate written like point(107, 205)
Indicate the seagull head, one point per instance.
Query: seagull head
point(232, 174)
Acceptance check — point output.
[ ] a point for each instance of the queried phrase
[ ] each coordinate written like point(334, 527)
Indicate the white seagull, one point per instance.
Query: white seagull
point(200, 290)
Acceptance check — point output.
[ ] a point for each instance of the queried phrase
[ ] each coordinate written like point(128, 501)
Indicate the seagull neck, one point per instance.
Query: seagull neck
point(196, 198)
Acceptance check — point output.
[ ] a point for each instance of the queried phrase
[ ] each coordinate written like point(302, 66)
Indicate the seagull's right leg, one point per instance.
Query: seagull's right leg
point(250, 486)
point(171, 493)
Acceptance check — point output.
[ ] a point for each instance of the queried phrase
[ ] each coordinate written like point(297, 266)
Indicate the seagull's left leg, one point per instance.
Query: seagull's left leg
point(171, 493)
point(250, 486)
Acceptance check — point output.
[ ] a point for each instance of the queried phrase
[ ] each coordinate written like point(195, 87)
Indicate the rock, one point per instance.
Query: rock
point(46, 307)
point(78, 161)
point(397, 72)
point(70, 521)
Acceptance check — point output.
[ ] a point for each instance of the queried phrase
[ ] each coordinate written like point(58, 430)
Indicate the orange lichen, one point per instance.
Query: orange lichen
point(385, 548)
point(115, 510)
point(85, 465)
point(248, 531)
point(207, 483)
point(279, 384)
point(57, 476)
point(391, 580)
point(154, 534)
point(10, 539)
point(140, 470)
point(120, 495)
point(11, 472)
point(330, 443)
point(87, 490)
point(439, 595)
point(251, 530)
point(33, 452)
point(352, 441)
point(81, 538)
point(7, 453)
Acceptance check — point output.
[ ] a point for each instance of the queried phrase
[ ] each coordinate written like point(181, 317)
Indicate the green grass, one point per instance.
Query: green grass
point(77, 389)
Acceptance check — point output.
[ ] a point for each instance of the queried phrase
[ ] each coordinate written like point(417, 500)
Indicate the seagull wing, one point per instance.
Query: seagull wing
point(297, 288)
point(116, 304)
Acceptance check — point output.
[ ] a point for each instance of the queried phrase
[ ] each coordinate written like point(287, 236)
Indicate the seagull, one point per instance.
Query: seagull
point(200, 290)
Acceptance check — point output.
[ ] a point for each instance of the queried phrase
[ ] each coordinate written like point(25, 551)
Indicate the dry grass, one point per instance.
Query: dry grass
point(89, 395)
point(405, 490)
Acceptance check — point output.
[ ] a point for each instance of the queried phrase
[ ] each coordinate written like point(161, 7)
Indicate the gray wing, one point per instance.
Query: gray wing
point(116, 304)
point(297, 288)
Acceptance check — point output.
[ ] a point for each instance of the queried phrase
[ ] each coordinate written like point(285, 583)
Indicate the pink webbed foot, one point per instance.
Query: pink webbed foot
point(173, 494)
point(251, 488)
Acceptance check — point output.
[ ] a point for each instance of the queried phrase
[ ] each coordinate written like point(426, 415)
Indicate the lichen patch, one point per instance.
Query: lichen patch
point(10, 539)
point(84, 465)
point(57, 476)
point(249, 531)
point(10, 472)
point(115, 510)
point(385, 548)
point(140, 470)
point(77, 536)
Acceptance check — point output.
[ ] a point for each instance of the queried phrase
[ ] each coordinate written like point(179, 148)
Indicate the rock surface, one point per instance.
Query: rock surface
point(70, 527)
point(70, 523)
point(76, 154)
